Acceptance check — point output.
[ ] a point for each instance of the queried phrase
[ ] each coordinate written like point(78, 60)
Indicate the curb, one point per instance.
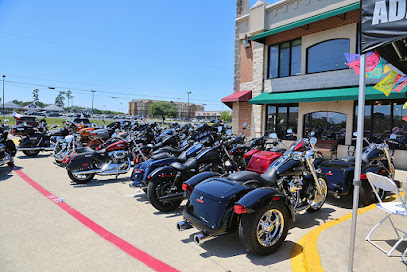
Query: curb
point(305, 257)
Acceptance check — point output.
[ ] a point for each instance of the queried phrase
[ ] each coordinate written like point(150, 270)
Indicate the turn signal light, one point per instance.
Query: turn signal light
point(363, 176)
point(186, 187)
point(239, 209)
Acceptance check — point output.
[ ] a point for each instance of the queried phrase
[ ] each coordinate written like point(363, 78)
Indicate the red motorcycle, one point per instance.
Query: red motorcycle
point(112, 160)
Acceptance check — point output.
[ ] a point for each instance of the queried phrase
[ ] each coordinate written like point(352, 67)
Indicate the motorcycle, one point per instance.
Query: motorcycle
point(258, 206)
point(164, 189)
point(7, 147)
point(112, 160)
point(376, 158)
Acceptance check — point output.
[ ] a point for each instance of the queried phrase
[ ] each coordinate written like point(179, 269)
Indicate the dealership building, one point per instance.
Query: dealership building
point(290, 73)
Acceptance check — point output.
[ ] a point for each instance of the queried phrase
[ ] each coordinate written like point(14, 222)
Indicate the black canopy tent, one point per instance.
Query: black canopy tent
point(383, 28)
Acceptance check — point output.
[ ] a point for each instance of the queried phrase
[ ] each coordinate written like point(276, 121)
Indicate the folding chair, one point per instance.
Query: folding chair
point(390, 208)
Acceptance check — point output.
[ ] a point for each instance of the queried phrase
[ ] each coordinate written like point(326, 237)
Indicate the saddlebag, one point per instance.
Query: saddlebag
point(262, 160)
point(339, 175)
point(81, 162)
point(211, 204)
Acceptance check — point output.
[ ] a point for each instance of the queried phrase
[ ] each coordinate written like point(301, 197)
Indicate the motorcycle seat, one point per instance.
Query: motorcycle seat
point(182, 167)
point(160, 156)
point(173, 150)
point(278, 150)
point(83, 150)
point(243, 176)
point(349, 159)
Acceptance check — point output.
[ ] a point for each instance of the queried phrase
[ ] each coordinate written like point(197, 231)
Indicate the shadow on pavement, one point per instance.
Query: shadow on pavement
point(308, 220)
point(6, 172)
point(228, 245)
point(97, 182)
point(24, 157)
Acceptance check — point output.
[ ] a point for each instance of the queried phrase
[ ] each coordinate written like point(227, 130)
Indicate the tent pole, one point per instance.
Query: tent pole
point(358, 159)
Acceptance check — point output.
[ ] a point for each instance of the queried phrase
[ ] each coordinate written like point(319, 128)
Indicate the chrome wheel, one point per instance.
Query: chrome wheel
point(270, 227)
point(319, 197)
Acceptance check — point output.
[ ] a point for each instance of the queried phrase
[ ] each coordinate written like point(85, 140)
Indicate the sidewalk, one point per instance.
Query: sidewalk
point(334, 242)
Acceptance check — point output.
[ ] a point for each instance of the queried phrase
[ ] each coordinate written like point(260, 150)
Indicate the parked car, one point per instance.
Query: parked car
point(30, 120)
point(54, 114)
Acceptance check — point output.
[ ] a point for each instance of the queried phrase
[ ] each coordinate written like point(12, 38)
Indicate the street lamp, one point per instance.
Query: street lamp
point(188, 104)
point(93, 95)
point(3, 95)
point(203, 113)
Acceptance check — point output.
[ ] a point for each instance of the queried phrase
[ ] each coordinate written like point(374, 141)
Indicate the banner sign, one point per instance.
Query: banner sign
point(382, 22)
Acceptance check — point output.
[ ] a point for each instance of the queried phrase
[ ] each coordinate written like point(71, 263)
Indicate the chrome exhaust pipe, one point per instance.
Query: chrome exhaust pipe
point(35, 148)
point(93, 171)
point(201, 237)
point(337, 195)
point(183, 225)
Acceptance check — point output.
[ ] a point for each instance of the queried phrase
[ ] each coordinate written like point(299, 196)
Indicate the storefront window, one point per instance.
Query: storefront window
point(327, 56)
point(383, 118)
point(285, 59)
point(282, 118)
point(327, 125)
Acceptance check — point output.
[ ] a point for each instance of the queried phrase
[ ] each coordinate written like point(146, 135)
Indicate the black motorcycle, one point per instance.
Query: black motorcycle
point(7, 147)
point(258, 206)
point(164, 189)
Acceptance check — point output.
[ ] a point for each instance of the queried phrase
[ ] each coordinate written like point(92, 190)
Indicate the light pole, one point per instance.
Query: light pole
point(203, 113)
point(188, 104)
point(93, 94)
point(3, 95)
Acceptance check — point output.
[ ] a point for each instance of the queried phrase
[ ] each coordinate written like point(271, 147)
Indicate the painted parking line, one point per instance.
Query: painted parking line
point(305, 257)
point(136, 253)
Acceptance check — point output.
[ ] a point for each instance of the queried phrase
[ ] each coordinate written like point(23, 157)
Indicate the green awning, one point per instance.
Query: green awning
point(306, 21)
point(349, 93)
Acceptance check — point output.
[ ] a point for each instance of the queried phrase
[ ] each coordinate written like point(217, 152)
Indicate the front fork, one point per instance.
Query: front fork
point(314, 174)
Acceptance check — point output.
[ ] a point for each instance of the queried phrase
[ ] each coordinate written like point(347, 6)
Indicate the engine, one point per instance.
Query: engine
point(119, 160)
point(295, 184)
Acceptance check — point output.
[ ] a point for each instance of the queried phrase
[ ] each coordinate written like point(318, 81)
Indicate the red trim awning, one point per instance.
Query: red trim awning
point(242, 96)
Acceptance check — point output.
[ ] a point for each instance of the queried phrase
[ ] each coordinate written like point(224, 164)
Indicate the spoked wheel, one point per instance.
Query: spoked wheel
point(80, 179)
point(263, 232)
point(318, 199)
point(31, 153)
point(158, 188)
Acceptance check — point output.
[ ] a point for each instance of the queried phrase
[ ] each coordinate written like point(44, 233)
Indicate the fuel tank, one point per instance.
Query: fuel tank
point(119, 145)
point(290, 168)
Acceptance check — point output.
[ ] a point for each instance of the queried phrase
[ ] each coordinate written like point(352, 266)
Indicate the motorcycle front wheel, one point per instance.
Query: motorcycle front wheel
point(80, 179)
point(318, 199)
point(158, 188)
point(264, 231)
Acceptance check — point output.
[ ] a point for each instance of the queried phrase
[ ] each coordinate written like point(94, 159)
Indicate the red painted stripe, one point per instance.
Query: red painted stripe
point(136, 253)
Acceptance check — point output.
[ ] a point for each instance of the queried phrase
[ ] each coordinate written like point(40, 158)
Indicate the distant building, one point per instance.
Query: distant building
point(140, 107)
point(208, 115)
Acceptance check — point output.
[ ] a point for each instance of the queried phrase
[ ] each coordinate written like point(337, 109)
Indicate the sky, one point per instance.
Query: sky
point(122, 49)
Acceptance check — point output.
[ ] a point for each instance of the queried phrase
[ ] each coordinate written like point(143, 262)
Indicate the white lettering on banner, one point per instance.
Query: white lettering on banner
point(396, 12)
point(379, 13)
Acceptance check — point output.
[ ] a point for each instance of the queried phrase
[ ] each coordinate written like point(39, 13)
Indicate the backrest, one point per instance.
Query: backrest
point(386, 184)
point(404, 186)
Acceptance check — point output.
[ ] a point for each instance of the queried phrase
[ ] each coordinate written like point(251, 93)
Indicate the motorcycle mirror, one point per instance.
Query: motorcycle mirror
point(312, 133)
point(228, 132)
point(6, 120)
point(355, 134)
point(273, 136)
point(220, 128)
point(289, 130)
point(313, 140)
point(244, 125)
point(393, 136)
point(53, 126)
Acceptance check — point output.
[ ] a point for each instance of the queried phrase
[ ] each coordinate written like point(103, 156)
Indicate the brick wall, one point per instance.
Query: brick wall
point(246, 64)
point(245, 116)
point(332, 22)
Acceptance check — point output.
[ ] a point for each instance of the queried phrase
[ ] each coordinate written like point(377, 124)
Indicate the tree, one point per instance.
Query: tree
point(69, 96)
point(35, 96)
point(59, 100)
point(162, 109)
point(225, 116)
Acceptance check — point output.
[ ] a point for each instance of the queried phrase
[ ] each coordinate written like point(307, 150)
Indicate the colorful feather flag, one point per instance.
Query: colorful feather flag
point(386, 84)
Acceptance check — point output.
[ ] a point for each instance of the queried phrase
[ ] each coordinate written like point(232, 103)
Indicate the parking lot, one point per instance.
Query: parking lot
point(107, 226)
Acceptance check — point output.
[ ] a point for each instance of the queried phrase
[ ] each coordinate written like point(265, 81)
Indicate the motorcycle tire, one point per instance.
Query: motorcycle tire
point(156, 188)
point(11, 163)
point(85, 179)
point(31, 153)
point(254, 238)
point(366, 195)
point(319, 199)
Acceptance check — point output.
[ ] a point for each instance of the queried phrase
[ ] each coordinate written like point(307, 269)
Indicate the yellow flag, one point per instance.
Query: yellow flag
point(386, 69)
point(405, 106)
point(386, 84)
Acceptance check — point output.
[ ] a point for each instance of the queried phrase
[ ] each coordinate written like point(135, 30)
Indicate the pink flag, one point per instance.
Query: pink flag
point(355, 65)
point(400, 87)
point(372, 61)
point(405, 118)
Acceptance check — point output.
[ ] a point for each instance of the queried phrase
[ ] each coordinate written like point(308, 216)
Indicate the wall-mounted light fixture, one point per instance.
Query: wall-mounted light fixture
point(246, 42)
